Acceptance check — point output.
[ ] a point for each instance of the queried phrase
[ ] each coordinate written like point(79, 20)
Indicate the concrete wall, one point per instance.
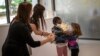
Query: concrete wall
point(82, 12)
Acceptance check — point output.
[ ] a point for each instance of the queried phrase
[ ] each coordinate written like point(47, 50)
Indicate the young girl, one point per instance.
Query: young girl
point(72, 43)
point(60, 37)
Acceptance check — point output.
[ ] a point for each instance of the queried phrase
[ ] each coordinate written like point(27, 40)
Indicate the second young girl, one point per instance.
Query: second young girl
point(72, 43)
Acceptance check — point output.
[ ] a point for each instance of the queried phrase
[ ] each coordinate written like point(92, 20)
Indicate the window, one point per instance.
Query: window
point(11, 9)
point(13, 5)
point(34, 2)
point(3, 19)
point(49, 11)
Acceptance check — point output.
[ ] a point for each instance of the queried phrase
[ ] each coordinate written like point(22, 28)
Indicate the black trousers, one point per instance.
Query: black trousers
point(75, 52)
point(13, 51)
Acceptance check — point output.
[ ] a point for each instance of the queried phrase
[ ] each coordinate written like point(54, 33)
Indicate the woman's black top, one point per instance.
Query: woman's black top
point(19, 35)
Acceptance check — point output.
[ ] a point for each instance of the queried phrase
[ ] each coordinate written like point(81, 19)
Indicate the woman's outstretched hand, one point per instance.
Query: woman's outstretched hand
point(51, 37)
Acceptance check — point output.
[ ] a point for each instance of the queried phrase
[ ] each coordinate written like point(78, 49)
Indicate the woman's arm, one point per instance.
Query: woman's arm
point(50, 38)
point(26, 36)
point(38, 32)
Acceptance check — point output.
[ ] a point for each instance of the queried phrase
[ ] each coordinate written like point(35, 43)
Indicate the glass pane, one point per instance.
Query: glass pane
point(13, 5)
point(81, 11)
point(49, 11)
point(34, 2)
point(3, 19)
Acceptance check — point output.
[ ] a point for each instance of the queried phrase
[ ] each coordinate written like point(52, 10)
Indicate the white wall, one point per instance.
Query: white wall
point(3, 34)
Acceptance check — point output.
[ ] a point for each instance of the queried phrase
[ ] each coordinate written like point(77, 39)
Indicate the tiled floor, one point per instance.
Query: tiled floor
point(89, 48)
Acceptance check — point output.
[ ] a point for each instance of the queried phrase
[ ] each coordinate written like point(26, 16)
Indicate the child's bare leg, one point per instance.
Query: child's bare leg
point(59, 51)
point(65, 52)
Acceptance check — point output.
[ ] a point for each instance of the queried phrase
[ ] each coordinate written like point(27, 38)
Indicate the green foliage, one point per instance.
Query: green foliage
point(30, 1)
point(16, 2)
point(2, 7)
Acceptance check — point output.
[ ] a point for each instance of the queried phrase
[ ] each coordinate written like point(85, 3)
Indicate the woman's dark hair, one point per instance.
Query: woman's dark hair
point(38, 16)
point(55, 20)
point(23, 14)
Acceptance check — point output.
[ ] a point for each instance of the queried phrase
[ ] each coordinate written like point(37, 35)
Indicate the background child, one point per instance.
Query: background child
point(60, 40)
point(72, 43)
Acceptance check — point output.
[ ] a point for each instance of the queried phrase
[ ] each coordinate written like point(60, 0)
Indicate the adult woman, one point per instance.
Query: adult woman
point(37, 20)
point(19, 33)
